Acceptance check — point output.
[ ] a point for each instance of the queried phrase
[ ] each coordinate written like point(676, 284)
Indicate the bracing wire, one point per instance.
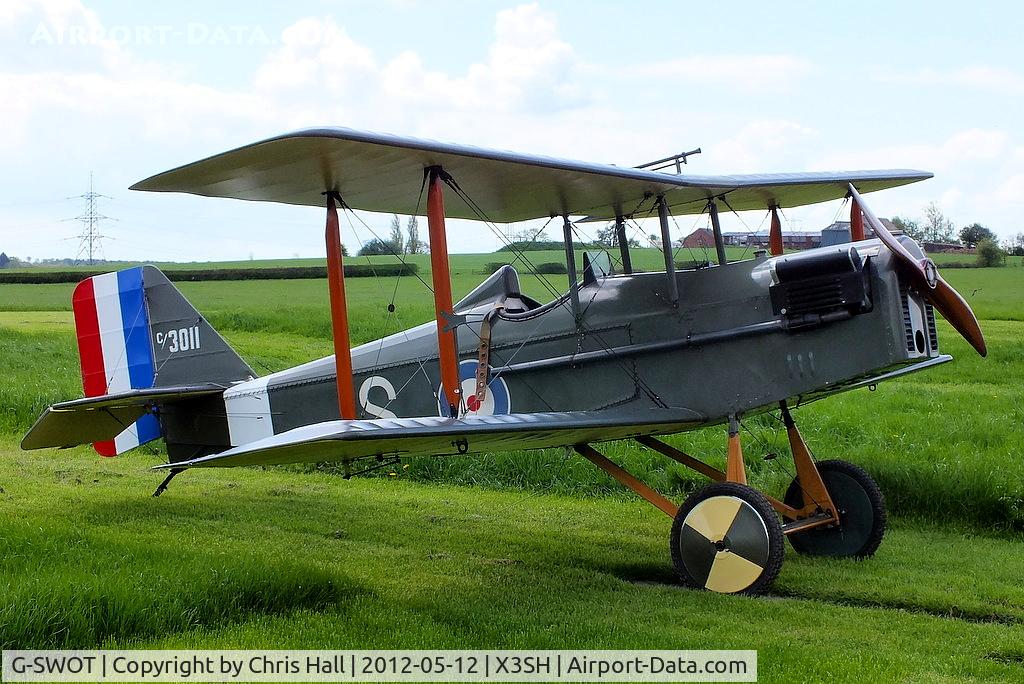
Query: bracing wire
point(594, 334)
point(750, 233)
point(773, 448)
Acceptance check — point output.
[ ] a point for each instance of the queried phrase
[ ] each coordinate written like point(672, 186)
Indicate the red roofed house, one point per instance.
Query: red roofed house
point(702, 238)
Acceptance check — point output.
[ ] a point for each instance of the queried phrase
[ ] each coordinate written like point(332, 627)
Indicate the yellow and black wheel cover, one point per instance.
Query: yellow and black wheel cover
point(724, 544)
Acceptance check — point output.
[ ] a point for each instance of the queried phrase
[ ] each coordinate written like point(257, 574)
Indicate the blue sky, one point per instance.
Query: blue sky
point(128, 89)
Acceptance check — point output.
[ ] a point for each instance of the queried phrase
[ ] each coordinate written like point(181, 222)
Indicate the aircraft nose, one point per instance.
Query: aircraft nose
point(925, 278)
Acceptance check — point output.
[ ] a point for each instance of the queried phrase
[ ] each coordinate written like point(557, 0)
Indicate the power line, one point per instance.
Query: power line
point(90, 240)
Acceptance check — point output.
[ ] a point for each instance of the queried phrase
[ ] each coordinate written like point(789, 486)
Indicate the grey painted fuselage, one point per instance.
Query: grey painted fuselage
point(722, 349)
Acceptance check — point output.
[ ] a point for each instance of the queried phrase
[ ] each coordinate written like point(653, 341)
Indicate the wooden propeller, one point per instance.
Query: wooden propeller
point(926, 280)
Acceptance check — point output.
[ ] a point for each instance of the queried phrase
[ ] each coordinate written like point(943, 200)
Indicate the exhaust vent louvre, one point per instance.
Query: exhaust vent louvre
point(908, 326)
point(933, 335)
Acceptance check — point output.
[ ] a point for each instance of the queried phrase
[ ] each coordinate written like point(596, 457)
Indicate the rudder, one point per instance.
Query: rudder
point(136, 331)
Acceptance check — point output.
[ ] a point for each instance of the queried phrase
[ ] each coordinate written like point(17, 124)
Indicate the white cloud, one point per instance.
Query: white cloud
point(528, 67)
point(968, 166)
point(1011, 191)
point(101, 106)
point(996, 79)
point(764, 146)
point(963, 147)
point(12, 10)
point(744, 72)
point(317, 54)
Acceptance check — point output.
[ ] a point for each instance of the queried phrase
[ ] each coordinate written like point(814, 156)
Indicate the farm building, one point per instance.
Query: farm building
point(939, 247)
point(792, 239)
point(702, 238)
point(839, 232)
point(835, 234)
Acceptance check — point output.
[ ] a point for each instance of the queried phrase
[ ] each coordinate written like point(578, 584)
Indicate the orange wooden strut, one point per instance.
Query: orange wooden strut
point(339, 313)
point(448, 355)
point(856, 222)
point(625, 478)
point(735, 470)
point(775, 234)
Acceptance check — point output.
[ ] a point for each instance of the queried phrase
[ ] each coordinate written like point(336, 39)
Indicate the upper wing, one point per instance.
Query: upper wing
point(785, 190)
point(347, 440)
point(379, 172)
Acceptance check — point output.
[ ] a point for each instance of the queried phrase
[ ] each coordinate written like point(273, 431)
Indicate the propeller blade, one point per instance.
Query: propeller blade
point(953, 307)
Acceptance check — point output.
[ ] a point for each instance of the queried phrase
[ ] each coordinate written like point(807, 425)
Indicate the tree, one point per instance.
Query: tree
point(1015, 245)
point(377, 247)
point(530, 235)
point(973, 234)
point(4, 260)
point(989, 254)
point(910, 227)
point(413, 244)
point(607, 236)
point(937, 227)
point(396, 238)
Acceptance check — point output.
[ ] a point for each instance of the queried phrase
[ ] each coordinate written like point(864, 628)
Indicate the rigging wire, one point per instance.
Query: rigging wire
point(388, 244)
point(750, 233)
point(682, 244)
point(392, 310)
point(773, 448)
point(562, 299)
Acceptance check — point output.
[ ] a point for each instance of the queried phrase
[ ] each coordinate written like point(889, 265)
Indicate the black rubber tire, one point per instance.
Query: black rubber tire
point(862, 514)
point(753, 535)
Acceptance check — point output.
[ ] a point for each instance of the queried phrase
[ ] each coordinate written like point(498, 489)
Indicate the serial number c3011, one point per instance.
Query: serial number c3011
point(179, 339)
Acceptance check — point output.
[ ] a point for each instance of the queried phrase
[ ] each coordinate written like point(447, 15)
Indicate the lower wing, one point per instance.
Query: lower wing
point(348, 440)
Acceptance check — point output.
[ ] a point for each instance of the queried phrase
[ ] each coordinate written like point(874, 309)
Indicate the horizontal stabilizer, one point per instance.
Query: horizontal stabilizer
point(105, 417)
point(348, 440)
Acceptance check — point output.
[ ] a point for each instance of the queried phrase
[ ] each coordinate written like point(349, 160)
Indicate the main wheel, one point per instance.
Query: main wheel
point(727, 538)
point(862, 513)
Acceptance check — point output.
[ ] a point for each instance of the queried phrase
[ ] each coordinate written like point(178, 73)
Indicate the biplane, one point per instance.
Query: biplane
point(617, 355)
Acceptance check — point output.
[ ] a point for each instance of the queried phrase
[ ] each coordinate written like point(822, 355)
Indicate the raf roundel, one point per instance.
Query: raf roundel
point(496, 401)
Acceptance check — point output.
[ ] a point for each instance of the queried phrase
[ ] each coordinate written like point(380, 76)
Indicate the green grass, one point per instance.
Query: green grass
point(947, 442)
point(643, 258)
point(261, 559)
point(530, 550)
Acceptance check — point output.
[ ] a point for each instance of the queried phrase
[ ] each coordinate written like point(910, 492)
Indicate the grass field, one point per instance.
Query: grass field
point(644, 258)
point(533, 550)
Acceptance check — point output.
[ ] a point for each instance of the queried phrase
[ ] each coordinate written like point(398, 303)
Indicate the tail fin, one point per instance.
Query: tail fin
point(136, 331)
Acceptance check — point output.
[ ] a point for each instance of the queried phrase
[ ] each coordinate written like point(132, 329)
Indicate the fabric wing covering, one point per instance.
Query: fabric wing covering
point(349, 440)
point(384, 173)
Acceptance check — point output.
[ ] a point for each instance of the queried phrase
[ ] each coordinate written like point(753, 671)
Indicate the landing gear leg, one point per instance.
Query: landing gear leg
point(841, 489)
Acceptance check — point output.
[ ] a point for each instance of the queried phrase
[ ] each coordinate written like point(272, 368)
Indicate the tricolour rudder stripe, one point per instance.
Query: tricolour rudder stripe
point(87, 328)
point(115, 348)
point(90, 352)
point(135, 327)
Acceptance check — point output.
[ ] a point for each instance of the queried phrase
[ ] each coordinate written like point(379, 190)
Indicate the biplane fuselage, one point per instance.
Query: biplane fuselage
point(722, 349)
point(618, 356)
